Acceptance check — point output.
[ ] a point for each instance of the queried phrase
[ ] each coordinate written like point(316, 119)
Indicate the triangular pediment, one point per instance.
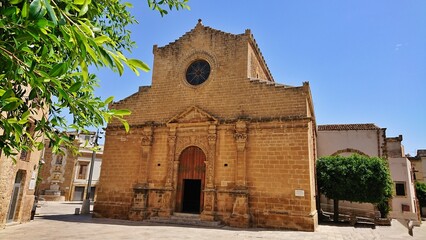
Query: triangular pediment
point(193, 115)
point(201, 29)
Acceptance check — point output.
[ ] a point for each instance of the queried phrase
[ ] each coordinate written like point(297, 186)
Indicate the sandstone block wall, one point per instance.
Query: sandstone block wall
point(8, 171)
point(258, 137)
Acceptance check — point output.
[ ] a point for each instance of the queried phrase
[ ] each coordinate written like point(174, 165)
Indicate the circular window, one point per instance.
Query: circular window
point(198, 72)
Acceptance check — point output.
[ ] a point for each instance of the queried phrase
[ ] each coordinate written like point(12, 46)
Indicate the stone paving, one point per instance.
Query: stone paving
point(56, 220)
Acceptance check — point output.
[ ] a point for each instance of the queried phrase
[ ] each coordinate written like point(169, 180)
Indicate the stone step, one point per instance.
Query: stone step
point(188, 216)
point(184, 219)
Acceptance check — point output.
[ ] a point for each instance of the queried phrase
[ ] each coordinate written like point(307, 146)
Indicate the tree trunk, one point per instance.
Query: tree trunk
point(336, 210)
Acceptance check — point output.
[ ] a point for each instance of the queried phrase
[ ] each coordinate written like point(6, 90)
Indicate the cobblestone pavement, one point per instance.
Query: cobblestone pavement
point(56, 220)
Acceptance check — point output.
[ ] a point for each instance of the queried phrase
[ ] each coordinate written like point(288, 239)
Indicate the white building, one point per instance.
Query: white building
point(370, 140)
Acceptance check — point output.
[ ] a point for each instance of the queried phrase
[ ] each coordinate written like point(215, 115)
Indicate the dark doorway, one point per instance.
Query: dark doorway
point(191, 195)
point(16, 196)
point(190, 182)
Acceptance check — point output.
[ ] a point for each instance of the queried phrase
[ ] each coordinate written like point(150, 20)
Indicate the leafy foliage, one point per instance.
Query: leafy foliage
point(157, 5)
point(384, 208)
point(46, 47)
point(421, 193)
point(355, 178)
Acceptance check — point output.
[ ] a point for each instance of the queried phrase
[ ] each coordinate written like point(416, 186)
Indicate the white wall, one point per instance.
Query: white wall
point(365, 141)
point(370, 142)
point(401, 172)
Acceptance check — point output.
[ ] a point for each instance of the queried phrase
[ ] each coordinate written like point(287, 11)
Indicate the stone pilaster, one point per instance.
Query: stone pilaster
point(240, 136)
point(146, 144)
point(167, 197)
point(138, 209)
point(209, 191)
point(171, 144)
point(211, 156)
point(175, 181)
point(240, 216)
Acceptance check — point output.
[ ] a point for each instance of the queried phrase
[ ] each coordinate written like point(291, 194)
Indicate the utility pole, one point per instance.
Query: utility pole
point(85, 208)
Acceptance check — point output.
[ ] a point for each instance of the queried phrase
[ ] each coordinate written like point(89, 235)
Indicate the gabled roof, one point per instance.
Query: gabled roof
point(340, 127)
point(201, 27)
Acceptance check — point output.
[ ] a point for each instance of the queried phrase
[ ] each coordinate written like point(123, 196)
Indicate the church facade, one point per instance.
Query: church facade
point(213, 135)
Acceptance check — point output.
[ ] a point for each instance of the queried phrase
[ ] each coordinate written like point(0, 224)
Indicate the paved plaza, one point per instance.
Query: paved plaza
point(56, 220)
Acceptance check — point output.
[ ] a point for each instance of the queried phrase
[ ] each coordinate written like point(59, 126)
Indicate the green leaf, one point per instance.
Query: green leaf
point(102, 39)
point(139, 64)
point(63, 94)
point(106, 59)
point(51, 12)
point(79, 2)
point(83, 10)
point(10, 106)
point(58, 69)
point(37, 10)
point(12, 120)
point(42, 23)
point(121, 112)
point(75, 87)
point(33, 94)
point(13, 2)
point(90, 51)
point(10, 11)
point(25, 115)
point(86, 29)
point(22, 121)
point(84, 70)
point(109, 100)
point(118, 63)
point(25, 10)
point(8, 93)
point(125, 124)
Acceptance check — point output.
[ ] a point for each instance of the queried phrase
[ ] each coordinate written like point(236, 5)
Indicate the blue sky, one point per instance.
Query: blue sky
point(365, 60)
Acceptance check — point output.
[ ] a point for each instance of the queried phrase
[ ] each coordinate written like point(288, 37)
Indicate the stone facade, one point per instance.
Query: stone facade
point(18, 181)
point(56, 175)
point(64, 176)
point(419, 165)
point(17, 187)
point(249, 142)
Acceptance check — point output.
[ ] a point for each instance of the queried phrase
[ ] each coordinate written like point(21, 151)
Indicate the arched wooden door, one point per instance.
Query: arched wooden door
point(190, 183)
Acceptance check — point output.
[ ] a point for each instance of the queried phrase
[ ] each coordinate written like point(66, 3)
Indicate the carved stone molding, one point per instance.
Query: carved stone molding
point(187, 141)
point(171, 153)
point(240, 135)
point(147, 136)
point(211, 138)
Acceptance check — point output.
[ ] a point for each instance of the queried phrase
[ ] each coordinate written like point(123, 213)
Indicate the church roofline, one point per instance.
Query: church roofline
point(247, 33)
point(345, 127)
point(257, 50)
point(199, 25)
point(141, 89)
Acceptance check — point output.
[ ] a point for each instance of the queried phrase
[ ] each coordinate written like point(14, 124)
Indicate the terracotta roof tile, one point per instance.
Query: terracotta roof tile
point(340, 127)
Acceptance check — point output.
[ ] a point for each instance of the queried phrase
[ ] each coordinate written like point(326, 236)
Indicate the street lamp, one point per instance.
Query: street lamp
point(85, 208)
